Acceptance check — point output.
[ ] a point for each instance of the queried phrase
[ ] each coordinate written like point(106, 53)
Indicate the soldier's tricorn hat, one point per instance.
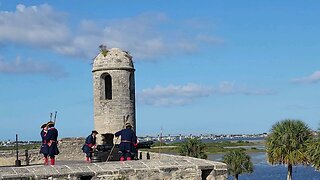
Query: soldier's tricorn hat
point(128, 124)
point(50, 124)
point(94, 131)
point(43, 125)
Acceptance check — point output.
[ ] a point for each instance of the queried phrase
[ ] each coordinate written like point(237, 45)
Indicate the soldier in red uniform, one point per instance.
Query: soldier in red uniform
point(51, 139)
point(89, 145)
point(128, 142)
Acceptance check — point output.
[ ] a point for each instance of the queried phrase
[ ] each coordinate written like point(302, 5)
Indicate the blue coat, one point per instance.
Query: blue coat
point(51, 137)
point(44, 149)
point(90, 142)
point(128, 139)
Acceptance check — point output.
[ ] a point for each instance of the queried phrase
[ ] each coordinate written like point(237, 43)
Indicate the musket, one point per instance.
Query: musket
point(124, 121)
point(124, 124)
point(127, 118)
point(55, 117)
point(50, 116)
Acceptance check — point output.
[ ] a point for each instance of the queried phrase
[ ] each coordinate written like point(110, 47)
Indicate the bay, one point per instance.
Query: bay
point(264, 171)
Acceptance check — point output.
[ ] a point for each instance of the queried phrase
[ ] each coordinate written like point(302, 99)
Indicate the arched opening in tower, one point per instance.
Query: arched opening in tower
point(131, 86)
point(107, 84)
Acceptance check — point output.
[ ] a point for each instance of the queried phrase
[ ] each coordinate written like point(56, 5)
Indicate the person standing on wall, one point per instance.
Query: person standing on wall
point(44, 149)
point(90, 145)
point(128, 142)
point(51, 139)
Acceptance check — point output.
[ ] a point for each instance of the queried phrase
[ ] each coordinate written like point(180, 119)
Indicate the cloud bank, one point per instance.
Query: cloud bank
point(177, 95)
point(38, 26)
point(145, 36)
point(19, 66)
point(313, 78)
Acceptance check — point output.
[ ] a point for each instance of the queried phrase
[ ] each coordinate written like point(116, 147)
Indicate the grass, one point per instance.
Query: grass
point(21, 147)
point(211, 147)
point(173, 148)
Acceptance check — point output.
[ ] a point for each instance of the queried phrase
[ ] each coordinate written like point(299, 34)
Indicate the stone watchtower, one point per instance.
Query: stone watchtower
point(114, 91)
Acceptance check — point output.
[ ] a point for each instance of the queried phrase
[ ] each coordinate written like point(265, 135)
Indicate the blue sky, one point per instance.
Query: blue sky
point(201, 66)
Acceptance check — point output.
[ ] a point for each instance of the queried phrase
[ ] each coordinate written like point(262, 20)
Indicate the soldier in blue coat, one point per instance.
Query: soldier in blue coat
point(128, 142)
point(89, 145)
point(51, 139)
point(44, 149)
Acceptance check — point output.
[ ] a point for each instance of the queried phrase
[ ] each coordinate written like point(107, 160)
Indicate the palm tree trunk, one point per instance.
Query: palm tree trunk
point(236, 176)
point(289, 176)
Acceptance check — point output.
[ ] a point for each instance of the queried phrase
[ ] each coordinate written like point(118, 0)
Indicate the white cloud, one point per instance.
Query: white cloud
point(141, 35)
point(19, 66)
point(37, 26)
point(313, 78)
point(231, 88)
point(145, 36)
point(175, 95)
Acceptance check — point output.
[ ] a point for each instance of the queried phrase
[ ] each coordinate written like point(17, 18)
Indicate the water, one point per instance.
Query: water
point(264, 171)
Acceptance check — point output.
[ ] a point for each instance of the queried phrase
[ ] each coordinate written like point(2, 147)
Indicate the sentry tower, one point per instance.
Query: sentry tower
point(114, 91)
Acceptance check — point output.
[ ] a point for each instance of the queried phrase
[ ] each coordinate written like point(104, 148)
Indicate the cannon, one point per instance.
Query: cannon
point(110, 151)
point(144, 145)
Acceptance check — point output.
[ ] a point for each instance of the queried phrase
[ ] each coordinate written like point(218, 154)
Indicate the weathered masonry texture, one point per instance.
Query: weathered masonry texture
point(114, 91)
point(160, 167)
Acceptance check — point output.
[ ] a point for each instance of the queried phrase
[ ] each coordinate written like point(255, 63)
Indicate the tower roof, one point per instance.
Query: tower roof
point(114, 58)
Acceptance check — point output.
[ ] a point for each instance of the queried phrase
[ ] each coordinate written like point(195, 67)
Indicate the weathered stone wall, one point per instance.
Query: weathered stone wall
point(109, 113)
point(8, 157)
point(71, 165)
point(167, 167)
point(70, 150)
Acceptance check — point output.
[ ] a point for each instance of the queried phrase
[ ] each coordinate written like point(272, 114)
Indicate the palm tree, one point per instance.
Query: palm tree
point(313, 151)
point(287, 142)
point(238, 163)
point(193, 147)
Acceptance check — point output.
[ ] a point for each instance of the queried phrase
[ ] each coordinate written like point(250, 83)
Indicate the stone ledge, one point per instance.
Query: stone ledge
point(167, 167)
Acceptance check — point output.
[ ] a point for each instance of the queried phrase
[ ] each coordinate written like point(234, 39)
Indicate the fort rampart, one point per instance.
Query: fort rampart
point(72, 166)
